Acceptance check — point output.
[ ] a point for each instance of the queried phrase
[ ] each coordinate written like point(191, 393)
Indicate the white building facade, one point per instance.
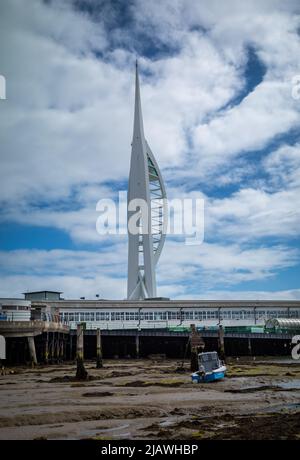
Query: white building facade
point(165, 314)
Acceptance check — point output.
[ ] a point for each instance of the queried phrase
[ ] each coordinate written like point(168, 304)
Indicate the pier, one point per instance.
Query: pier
point(34, 341)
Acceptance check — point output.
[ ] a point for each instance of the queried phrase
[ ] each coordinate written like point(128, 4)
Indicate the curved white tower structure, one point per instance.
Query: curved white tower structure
point(145, 182)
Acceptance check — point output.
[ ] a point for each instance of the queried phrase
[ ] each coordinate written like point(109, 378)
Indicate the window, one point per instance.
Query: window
point(188, 315)
point(92, 316)
point(237, 314)
point(158, 316)
point(77, 317)
point(119, 316)
point(173, 315)
point(102, 316)
point(272, 314)
point(131, 316)
point(261, 313)
point(71, 316)
point(200, 315)
point(248, 314)
point(81, 316)
point(212, 314)
point(225, 314)
point(148, 316)
point(282, 314)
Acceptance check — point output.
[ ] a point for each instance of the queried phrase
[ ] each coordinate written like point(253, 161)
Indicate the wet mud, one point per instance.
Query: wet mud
point(145, 399)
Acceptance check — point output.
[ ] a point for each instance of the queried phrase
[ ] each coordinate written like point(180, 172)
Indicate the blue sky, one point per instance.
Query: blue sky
point(216, 84)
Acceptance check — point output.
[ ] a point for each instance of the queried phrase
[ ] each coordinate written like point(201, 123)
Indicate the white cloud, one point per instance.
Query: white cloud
point(262, 115)
point(251, 214)
point(283, 165)
point(76, 273)
point(85, 273)
point(209, 264)
point(67, 123)
point(293, 294)
point(271, 28)
point(68, 114)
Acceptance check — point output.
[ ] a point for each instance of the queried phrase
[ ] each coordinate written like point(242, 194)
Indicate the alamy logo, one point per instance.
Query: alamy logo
point(2, 87)
point(296, 348)
point(180, 217)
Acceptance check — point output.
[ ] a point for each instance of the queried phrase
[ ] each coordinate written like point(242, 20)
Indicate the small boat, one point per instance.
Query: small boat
point(210, 368)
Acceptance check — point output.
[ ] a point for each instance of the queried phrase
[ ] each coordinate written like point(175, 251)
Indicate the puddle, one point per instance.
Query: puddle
point(293, 385)
point(281, 407)
point(117, 428)
point(97, 394)
point(282, 386)
point(167, 423)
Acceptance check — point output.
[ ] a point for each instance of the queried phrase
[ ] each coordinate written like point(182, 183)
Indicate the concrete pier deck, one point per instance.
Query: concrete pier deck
point(31, 328)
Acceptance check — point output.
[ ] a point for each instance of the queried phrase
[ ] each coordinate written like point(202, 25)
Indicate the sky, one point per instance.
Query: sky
point(220, 117)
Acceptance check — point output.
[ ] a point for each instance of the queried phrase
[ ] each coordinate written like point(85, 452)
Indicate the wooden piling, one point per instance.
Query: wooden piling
point(81, 373)
point(99, 363)
point(46, 352)
point(249, 347)
point(32, 351)
point(137, 346)
point(221, 343)
point(62, 348)
point(71, 346)
point(57, 350)
point(197, 345)
point(52, 348)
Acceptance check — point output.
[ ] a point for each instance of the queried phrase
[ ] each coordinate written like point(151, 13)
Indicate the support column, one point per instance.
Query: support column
point(52, 354)
point(221, 343)
point(81, 373)
point(32, 351)
point(137, 346)
point(61, 348)
point(194, 359)
point(46, 352)
point(197, 346)
point(58, 348)
point(249, 346)
point(99, 350)
point(71, 346)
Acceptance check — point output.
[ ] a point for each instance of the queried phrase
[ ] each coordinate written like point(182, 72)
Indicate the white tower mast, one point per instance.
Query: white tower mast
point(145, 182)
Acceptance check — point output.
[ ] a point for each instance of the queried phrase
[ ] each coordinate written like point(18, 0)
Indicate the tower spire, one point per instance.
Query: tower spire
point(138, 128)
point(145, 183)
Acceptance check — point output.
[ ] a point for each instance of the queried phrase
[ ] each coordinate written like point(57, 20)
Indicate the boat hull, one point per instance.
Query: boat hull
point(217, 374)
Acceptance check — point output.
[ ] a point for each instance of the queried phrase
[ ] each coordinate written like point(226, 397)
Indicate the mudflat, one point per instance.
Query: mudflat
point(148, 399)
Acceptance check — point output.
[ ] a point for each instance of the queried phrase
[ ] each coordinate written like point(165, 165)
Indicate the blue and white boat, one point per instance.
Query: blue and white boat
point(211, 368)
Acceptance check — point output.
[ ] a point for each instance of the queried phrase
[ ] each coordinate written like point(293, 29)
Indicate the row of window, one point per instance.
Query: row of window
point(176, 315)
